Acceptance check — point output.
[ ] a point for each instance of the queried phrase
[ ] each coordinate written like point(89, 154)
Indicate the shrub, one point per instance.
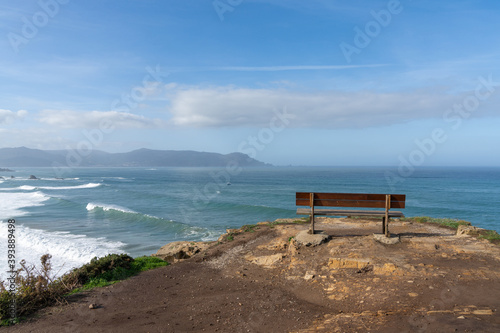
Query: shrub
point(36, 288)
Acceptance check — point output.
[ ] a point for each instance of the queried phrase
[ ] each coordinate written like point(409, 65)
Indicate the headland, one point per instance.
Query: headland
point(260, 278)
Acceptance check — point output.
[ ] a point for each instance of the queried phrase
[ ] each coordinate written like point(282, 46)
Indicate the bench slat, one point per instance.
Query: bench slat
point(350, 196)
point(345, 212)
point(350, 203)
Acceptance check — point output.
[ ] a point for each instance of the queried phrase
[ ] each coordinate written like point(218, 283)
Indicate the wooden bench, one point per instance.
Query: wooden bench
point(350, 200)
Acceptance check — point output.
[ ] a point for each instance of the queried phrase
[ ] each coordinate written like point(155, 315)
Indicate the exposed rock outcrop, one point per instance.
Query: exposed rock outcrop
point(176, 251)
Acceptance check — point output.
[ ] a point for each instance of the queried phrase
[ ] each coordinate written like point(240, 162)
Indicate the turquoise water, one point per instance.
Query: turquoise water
point(95, 211)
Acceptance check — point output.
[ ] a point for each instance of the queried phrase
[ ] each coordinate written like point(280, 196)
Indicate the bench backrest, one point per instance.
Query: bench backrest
point(349, 200)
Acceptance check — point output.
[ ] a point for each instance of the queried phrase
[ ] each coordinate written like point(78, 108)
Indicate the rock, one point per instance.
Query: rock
point(412, 294)
point(266, 261)
point(93, 306)
point(484, 312)
point(391, 240)
point(33, 177)
point(1, 177)
point(341, 263)
point(305, 238)
point(176, 251)
point(467, 230)
point(229, 235)
point(309, 275)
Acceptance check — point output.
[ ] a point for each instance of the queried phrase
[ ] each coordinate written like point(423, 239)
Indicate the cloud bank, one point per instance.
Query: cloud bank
point(234, 107)
point(93, 119)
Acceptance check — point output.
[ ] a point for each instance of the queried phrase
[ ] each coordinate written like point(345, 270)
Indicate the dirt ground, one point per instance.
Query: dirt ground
point(263, 281)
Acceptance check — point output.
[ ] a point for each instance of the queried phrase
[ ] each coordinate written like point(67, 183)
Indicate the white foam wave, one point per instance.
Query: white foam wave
point(92, 206)
point(89, 185)
point(68, 250)
point(31, 188)
point(26, 188)
point(12, 203)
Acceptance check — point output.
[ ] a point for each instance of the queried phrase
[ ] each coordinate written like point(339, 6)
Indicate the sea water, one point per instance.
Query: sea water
point(96, 211)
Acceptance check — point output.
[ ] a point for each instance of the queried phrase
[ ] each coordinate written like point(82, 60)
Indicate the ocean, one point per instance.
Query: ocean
point(96, 211)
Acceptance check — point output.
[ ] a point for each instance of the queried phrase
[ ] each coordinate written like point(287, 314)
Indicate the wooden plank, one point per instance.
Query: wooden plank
point(349, 203)
point(311, 217)
point(350, 196)
point(348, 212)
point(386, 217)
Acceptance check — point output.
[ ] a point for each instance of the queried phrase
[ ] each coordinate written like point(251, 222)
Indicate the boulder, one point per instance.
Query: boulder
point(175, 251)
point(467, 230)
point(33, 177)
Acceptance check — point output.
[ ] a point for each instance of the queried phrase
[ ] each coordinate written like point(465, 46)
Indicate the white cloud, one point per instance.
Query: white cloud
point(290, 68)
point(7, 116)
point(93, 119)
point(229, 106)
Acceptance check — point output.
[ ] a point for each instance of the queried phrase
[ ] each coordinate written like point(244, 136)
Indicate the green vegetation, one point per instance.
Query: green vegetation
point(445, 222)
point(36, 288)
point(490, 235)
point(302, 220)
point(111, 269)
point(249, 228)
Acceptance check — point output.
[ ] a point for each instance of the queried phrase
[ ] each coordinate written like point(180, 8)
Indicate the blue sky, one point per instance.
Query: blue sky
point(287, 82)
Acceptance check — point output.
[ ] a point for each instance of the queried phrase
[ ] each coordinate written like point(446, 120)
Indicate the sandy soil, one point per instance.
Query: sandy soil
point(262, 281)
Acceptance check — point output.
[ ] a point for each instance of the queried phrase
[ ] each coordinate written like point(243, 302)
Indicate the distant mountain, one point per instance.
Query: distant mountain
point(26, 157)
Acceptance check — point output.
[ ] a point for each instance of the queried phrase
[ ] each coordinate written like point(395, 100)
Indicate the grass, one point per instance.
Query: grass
point(302, 220)
point(445, 222)
point(36, 288)
point(117, 274)
point(491, 236)
point(249, 228)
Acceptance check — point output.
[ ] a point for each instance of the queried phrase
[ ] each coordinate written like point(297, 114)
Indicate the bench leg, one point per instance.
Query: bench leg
point(385, 226)
point(311, 227)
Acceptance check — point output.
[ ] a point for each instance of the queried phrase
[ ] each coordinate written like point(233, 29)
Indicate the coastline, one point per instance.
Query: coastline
point(258, 278)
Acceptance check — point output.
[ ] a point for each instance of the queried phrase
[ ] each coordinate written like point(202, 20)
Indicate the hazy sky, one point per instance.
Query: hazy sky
point(287, 82)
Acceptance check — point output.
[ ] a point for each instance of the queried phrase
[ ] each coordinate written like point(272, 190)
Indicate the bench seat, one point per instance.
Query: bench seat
point(345, 212)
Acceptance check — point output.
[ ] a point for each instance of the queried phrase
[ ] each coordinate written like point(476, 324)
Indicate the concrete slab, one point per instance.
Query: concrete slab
point(307, 239)
point(391, 240)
